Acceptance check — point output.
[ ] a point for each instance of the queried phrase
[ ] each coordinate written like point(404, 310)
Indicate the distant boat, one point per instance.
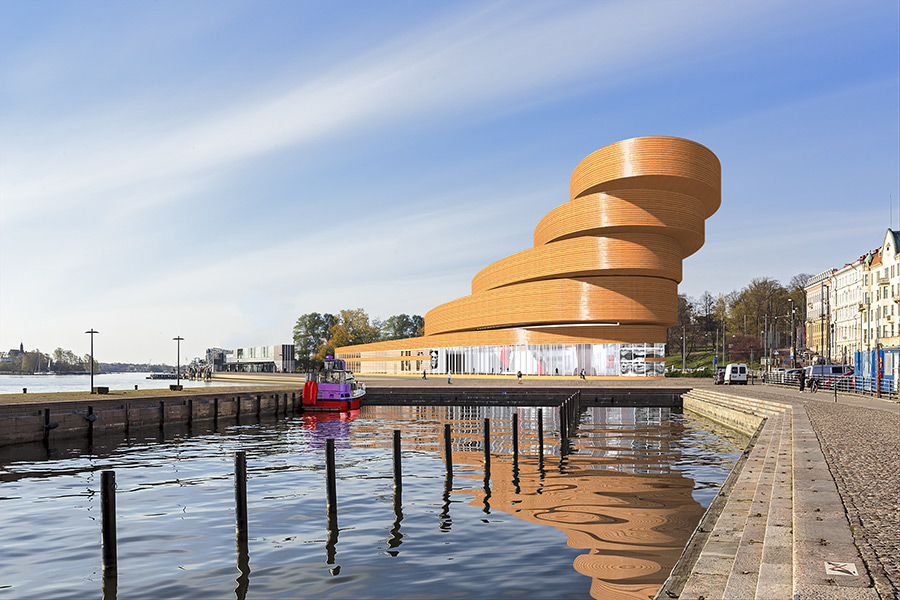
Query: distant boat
point(162, 376)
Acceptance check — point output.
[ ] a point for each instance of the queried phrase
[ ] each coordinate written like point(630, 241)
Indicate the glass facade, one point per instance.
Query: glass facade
point(611, 360)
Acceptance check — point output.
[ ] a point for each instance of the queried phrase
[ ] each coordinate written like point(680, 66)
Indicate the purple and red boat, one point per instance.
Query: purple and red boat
point(333, 388)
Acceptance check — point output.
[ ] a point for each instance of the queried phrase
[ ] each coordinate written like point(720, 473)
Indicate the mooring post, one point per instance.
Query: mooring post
point(240, 493)
point(487, 444)
point(398, 474)
point(330, 486)
point(540, 424)
point(515, 436)
point(108, 519)
point(448, 452)
point(562, 421)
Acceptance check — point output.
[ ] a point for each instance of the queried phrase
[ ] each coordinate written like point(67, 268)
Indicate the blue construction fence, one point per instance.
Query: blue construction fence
point(870, 366)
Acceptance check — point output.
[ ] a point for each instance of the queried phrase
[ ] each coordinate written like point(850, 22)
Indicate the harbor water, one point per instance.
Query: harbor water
point(607, 517)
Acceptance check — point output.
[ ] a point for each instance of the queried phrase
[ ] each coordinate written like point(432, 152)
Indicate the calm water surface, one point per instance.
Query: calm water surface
point(607, 520)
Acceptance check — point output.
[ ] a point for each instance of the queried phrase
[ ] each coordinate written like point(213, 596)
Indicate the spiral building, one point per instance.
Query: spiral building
point(598, 289)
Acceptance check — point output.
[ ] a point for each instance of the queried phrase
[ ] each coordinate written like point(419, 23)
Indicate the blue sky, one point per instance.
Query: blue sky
point(214, 169)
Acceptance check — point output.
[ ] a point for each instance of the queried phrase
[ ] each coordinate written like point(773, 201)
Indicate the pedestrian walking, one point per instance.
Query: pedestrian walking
point(582, 374)
point(801, 377)
point(448, 377)
point(519, 375)
point(423, 374)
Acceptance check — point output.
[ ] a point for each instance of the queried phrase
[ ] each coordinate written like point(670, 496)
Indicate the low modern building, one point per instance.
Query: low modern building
point(258, 359)
point(597, 290)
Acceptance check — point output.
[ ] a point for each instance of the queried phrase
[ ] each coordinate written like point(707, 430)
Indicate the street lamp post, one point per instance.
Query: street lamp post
point(178, 341)
point(92, 332)
point(793, 342)
point(827, 299)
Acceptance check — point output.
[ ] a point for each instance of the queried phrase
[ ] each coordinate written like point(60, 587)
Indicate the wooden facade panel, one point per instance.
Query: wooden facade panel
point(665, 163)
point(635, 254)
point(627, 211)
point(613, 299)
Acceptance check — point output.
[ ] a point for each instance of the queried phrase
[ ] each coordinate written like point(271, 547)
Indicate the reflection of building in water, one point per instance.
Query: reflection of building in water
point(597, 289)
point(617, 497)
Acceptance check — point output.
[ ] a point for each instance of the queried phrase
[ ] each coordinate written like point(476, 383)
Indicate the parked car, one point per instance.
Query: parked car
point(843, 382)
point(735, 374)
point(777, 375)
point(719, 376)
point(792, 376)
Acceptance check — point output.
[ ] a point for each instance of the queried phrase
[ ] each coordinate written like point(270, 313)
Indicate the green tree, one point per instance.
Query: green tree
point(311, 332)
point(402, 326)
point(353, 327)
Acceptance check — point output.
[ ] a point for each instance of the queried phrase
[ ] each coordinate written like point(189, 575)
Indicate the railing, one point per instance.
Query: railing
point(845, 384)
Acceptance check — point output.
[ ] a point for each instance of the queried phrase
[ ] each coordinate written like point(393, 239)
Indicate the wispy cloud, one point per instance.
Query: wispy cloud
point(485, 59)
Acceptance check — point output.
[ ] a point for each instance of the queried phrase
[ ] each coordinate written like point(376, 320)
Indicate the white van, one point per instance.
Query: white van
point(736, 374)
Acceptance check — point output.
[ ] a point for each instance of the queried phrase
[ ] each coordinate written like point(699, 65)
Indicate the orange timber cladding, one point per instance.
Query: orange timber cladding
point(597, 290)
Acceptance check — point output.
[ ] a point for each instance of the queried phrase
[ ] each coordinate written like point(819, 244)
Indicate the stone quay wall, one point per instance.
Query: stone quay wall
point(20, 423)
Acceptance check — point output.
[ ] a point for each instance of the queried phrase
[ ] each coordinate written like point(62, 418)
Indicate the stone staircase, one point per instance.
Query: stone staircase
point(780, 520)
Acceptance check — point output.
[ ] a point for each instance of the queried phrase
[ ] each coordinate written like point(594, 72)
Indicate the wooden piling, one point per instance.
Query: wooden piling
point(487, 444)
point(215, 413)
point(398, 475)
point(540, 424)
point(108, 520)
point(190, 415)
point(162, 415)
point(127, 418)
point(258, 405)
point(240, 493)
point(448, 452)
point(515, 436)
point(330, 485)
point(237, 408)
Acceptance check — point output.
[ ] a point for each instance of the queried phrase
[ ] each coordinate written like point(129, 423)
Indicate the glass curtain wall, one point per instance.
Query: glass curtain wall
point(629, 360)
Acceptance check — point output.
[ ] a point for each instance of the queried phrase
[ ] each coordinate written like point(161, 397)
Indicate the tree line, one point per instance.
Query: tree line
point(317, 335)
point(748, 323)
point(59, 361)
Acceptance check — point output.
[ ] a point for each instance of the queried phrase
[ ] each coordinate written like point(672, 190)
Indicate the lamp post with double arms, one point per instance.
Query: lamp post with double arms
point(92, 332)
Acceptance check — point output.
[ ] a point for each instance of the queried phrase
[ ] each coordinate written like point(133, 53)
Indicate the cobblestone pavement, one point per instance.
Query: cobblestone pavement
point(860, 438)
point(862, 447)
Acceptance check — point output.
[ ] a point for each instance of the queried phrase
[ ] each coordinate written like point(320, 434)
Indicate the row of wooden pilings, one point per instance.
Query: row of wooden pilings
point(569, 410)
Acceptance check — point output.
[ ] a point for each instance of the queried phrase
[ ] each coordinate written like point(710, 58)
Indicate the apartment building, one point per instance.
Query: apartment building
point(857, 307)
